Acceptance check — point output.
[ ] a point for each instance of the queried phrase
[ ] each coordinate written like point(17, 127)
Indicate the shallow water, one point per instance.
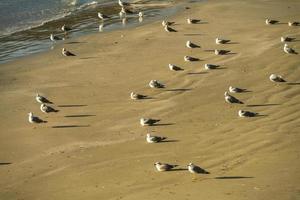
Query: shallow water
point(80, 15)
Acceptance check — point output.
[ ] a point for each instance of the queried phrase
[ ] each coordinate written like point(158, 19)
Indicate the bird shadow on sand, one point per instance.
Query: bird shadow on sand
point(70, 116)
point(166, 141)
point(5, 163)
point(72, 105)
point(178, 169)
point(163, 124)
point(293, 83)
point(232, 177)
point(85, 58)
point(232, 43)
point(71, 126)
point(196, 73)
point(179, 90)
point(193, 34)
point(261, 105)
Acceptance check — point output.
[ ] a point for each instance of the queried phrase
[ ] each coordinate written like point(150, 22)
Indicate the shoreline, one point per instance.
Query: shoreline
point(36, 39)
point(94, 147)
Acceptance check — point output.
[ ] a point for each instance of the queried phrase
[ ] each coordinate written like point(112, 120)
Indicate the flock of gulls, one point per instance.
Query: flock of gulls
point(229, 98)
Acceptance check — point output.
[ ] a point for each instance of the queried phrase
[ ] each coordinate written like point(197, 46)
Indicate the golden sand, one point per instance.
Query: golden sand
point(95, 148)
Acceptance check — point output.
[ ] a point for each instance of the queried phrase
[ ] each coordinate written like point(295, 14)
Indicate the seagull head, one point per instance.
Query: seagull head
point(148, 135)
point(37, 95)
point(157, 163)
point(241, 112)
point(190, 164)
point(30, 114)
point(285, 45)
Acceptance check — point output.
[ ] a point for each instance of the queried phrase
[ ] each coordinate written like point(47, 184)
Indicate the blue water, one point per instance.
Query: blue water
point(25, 25)
point(16, 15)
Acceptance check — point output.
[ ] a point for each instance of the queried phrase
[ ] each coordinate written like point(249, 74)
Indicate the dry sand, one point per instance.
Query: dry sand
point(105, 155)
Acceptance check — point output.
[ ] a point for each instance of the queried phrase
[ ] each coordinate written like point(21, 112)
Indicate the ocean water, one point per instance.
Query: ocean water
point(25, 25)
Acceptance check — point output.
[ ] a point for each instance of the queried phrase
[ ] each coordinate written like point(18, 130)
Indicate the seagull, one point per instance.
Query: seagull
point(166, 23)
point(231, 99)
point(46, 109)
point(125, 11)
point(42, 99)
point(175, 68)
point(286, 39)
point(221, 52)
point(122, 4)
point(141, 14)
point(189, 59)
point(293, 23)
point(243, 113)
point(102, 16)
point(276, 78)
point(193, 21)
point(169, 29)
point(288, 50)
point(194, 169)
point(53, 38)
point(161, 167)
point(221, 41)
point(270, 21)
point(136, 96)
point(191, 45)
point(148, 122)
point(211, 66)
point(236, 90)
point(65, 28)
point(154, 139)
point(34, 119)
point(156, 84)
point(67, 53)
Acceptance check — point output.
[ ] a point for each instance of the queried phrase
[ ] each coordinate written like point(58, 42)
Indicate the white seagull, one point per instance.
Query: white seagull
point(154, 139)
point(67, 53)
point(136, 96)
point(34, 119)
point(193, 21)
point(286, 39)
point(194, 169)
point(169, 29)
point(221, 52)
point(293, 23)
point(236, 90)
point(148, 121)
point(166, 23)
point(231, 99)
point(65, 28)
point(288, 49)
point(189, 59)
point(53, 38)
point(175, 68)
point(42, 99)
point(102, 16)
point(221, 41)
point(161, 167)
point(156, 84)
point(270, 21)
point(191, 45)
point(210, 66)
point(141, 14)
point(46, 109)
point(276, 78)
point(243, 113)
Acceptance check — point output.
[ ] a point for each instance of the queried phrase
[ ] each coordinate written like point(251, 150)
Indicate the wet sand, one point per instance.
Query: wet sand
point(94, 147)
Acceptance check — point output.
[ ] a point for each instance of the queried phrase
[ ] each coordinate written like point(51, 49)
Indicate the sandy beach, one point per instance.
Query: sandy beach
point(95, 148)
